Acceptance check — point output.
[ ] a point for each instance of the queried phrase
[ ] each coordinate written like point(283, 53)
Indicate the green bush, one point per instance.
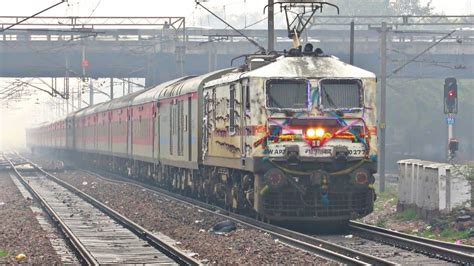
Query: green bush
point(382, 222)
point(408, 214)
point(452, 234)
point(3, 253)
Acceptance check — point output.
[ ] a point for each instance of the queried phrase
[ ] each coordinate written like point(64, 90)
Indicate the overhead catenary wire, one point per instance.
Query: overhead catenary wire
point(261, 48)
point(420, 54)
point(32, 16)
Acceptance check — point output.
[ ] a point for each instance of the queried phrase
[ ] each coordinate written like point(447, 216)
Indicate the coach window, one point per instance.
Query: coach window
point(247, 99)
point(232, 110)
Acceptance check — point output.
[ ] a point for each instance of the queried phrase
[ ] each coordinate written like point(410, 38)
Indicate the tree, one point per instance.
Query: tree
point(362, 7)
point(410, 7)
point(383, 7)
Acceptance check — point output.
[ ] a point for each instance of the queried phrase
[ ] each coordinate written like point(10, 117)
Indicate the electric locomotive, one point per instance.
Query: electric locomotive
point(293, 136)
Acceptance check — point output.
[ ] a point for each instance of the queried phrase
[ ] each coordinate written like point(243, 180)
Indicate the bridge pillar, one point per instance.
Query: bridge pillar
point(211, 56)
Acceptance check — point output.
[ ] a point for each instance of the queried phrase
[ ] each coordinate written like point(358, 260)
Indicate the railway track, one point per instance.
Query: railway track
point(310, 244)
point(460, 254)
point(98, 234)
point(393, 244)
point(396, 245)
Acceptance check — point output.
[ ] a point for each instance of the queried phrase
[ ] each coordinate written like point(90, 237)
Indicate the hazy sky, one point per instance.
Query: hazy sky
point(170, 8)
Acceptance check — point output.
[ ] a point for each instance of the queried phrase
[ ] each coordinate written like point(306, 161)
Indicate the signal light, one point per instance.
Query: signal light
point(450, 96)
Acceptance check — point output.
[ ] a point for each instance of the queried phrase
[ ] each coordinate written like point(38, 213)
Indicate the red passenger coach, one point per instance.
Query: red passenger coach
point(142, 123)
point(103, 129)
point(119, 122)
point(119, 125)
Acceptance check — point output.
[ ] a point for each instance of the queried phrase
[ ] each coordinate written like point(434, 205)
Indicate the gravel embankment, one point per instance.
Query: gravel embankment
point(189, 226)
point(20, 232)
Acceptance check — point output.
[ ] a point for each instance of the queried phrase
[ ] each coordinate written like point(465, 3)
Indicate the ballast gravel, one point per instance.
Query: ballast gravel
point(20, 231)
point(190, 226)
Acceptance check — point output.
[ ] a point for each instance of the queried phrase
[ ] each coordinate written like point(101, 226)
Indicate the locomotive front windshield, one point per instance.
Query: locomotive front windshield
point(337, 94)
point(287, 94)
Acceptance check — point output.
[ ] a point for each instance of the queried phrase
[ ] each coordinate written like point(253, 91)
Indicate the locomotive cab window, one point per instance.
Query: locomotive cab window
point(287, 94)
point(341, 93)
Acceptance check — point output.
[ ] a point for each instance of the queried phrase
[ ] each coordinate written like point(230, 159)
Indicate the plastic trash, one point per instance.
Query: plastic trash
point(223, 227)
point(20, 257)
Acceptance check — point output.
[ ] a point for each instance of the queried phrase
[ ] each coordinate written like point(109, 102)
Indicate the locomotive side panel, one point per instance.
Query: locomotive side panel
point(370, 114)
point(224, 123)
point(234, 145)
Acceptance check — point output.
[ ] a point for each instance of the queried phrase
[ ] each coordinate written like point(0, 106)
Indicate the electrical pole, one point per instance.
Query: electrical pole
point(351, 59)
point(83, 65)
point(383, 90)
point(111, 88)
point(271, 26)
point(91, 93)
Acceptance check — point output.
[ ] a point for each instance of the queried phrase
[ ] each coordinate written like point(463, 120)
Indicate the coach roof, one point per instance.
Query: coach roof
point(152, 94)
point(193, 84)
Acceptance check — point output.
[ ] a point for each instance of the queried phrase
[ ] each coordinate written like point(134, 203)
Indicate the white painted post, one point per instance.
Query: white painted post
point(448, 190)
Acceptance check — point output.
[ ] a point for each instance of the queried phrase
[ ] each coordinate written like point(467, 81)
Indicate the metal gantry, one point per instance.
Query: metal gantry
point(175, 23)
point(404, 20)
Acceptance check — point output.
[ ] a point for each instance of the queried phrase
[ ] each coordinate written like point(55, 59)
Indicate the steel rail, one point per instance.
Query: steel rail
point(308, 243)
point(461, 254)
point(81, 251)
point(177, 255)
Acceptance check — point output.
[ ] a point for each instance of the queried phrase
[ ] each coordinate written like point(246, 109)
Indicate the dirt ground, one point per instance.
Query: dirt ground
point(20, 232)
point(449, 228)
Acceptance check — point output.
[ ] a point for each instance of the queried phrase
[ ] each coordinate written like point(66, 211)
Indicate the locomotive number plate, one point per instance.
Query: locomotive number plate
point(356, 152)
point(319, 152)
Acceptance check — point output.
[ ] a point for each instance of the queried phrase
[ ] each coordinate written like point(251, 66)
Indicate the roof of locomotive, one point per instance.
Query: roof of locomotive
point(298, 67)
point(310, 67)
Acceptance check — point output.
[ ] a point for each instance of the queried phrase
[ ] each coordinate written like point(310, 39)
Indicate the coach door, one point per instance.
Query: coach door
point(129, 130)
point(109, 131)
point(189, 129)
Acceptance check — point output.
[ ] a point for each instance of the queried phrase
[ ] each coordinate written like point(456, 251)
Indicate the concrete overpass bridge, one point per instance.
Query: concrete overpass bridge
point(161, 48)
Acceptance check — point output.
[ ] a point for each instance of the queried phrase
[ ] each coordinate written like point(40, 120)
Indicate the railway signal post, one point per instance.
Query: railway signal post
point(451, 109)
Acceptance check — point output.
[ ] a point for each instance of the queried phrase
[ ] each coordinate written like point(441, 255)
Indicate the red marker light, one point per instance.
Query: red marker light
point(451, 93)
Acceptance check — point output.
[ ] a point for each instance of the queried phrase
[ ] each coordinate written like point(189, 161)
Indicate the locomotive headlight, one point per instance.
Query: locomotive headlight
point(313, 133)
